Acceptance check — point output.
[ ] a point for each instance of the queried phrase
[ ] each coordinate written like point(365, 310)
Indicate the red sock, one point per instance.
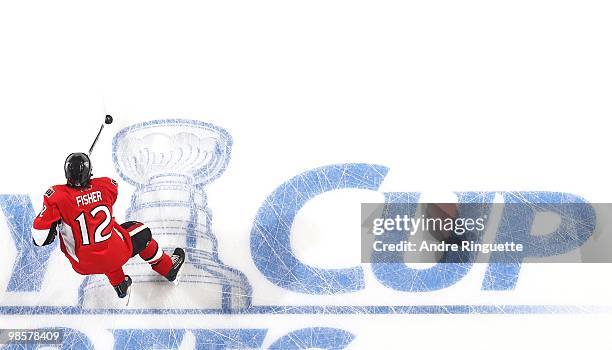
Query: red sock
point(117, 276)
point(163, 265)
point(159, 261)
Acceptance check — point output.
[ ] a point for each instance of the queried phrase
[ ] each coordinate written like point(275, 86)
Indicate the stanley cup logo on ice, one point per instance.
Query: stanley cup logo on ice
point(170, 162)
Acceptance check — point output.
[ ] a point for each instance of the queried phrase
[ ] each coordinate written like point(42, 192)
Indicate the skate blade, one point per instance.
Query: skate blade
point(177, 280)
point(127, 302)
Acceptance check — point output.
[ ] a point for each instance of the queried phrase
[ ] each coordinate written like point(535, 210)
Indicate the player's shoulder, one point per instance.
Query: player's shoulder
point(55, 192)
point(103, 181)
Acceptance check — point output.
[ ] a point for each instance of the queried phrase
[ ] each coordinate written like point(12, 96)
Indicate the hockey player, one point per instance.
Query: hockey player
point(82, 212)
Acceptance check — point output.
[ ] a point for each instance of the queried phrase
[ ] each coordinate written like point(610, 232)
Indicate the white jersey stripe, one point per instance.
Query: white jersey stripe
point(68, 239)
point(118, 234)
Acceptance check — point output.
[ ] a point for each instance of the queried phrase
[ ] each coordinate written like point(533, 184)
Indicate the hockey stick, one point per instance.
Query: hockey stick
point(107, 120)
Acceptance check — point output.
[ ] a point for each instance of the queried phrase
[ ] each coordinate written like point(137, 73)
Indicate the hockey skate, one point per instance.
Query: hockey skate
point(124, 289)
point(178, 258)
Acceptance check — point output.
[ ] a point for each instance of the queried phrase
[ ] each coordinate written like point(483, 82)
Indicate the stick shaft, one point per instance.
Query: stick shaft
point(96, 139)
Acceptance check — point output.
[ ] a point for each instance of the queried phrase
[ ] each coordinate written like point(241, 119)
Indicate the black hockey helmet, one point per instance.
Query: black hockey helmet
point(78, 170)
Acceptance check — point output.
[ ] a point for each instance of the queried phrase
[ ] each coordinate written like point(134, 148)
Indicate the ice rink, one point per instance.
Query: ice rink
point(250, 132)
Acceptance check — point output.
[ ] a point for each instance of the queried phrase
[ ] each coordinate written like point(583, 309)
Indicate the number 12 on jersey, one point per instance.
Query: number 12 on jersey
point(98, 237)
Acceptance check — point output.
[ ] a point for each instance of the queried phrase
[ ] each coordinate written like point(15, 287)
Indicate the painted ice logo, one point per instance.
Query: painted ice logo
point(170, 162)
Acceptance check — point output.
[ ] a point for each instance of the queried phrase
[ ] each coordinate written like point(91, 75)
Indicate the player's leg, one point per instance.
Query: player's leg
point(148, 249)
point(120, 282)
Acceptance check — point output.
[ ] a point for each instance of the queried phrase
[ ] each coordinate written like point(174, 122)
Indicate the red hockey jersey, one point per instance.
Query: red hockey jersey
point(89, 236)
